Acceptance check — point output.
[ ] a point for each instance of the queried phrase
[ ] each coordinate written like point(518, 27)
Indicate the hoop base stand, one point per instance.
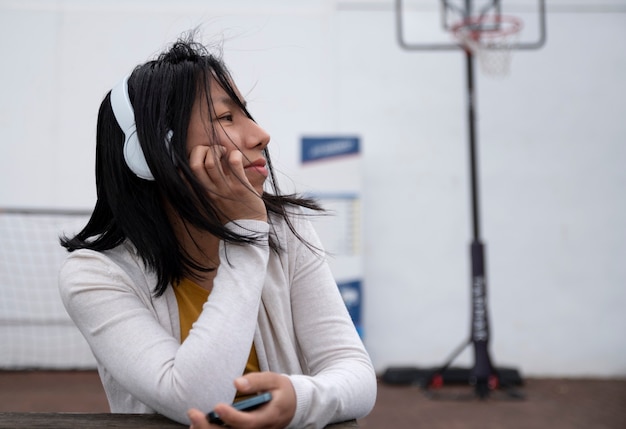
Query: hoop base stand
point(433, 378)
point(483, 376)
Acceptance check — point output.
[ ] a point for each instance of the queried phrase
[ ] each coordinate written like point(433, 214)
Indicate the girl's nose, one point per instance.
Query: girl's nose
point(257, 137)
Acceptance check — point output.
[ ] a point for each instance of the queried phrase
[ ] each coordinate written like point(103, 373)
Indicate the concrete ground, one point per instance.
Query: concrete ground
point(544, 403)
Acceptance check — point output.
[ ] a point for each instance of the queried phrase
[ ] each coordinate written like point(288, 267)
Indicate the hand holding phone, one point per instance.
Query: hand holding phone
point(248, 404)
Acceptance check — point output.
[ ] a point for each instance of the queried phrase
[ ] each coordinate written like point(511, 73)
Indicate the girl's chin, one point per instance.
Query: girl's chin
point(257, 181)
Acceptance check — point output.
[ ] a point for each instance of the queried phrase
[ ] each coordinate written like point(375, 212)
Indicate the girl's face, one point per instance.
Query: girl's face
point(225, 124)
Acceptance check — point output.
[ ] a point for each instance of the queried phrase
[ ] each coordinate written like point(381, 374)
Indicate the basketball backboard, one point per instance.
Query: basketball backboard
point(429, 24)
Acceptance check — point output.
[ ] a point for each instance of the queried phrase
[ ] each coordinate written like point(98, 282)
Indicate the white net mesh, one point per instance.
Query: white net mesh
point(490, 39)
point(35, 330)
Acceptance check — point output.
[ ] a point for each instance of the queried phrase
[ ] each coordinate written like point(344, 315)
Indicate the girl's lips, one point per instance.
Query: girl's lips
point(258, 166)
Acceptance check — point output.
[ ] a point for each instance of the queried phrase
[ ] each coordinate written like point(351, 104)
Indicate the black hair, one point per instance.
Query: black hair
point(163, 92)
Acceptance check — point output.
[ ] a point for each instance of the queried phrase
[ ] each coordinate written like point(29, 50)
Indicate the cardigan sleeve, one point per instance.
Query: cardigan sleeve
point(340, 382)
point(121, 326)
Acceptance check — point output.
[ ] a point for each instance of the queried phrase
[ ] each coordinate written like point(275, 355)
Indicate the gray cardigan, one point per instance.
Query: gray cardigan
point(287, 303)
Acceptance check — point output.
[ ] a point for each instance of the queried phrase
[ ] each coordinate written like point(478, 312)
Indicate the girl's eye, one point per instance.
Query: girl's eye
point(226, 117)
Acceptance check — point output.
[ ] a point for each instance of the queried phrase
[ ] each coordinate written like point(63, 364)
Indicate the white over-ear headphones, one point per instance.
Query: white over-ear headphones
point(125, 116)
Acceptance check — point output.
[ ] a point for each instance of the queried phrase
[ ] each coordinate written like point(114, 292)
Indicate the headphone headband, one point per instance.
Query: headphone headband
point(125, 117)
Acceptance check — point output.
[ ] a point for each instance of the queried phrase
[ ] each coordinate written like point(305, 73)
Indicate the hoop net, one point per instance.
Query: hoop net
point(490, 39)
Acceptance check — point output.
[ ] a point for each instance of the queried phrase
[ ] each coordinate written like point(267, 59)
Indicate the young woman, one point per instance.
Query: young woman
point(193, 285)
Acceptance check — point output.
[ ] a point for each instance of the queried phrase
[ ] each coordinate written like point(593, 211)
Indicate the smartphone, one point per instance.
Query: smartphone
point(248, 404)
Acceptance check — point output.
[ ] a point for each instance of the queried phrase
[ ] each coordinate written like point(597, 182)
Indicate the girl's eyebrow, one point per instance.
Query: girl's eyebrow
point(231, 103)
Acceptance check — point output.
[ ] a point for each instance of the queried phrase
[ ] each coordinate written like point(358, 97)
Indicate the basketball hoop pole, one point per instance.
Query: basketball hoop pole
point(483, 375)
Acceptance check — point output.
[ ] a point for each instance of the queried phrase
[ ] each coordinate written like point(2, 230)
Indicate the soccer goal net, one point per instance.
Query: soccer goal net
point(35, 330)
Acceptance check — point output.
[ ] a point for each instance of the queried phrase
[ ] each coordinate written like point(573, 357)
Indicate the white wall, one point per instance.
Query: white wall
point(551, 148)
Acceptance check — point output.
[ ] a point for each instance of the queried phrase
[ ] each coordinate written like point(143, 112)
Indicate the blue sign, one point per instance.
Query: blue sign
point(316, 148)
point(351, 294)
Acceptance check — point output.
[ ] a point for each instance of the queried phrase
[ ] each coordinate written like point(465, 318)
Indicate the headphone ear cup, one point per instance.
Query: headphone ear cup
point(134, 157)
point(125, 117)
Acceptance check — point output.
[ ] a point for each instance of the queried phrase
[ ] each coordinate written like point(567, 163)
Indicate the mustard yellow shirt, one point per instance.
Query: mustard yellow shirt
point(190, 298)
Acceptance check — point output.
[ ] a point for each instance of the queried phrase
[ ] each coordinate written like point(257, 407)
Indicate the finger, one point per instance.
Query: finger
point(256, 382)
point(213, 158)
point(235, 161)
point(203, 157)
point(198, 419)
point(232, 417)
point(197, 160)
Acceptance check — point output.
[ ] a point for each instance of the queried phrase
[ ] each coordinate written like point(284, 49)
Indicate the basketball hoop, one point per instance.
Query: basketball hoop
point(491, 38)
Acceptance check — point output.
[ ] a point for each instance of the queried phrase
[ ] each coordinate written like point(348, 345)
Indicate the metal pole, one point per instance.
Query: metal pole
point(471, 117)
point(482, 371)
